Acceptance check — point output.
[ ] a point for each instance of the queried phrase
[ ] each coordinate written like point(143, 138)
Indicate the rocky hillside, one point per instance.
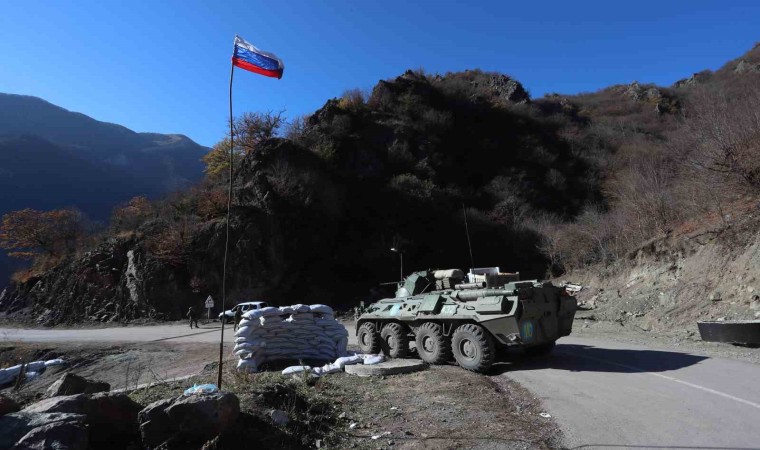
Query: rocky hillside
point(561, 184)
point(671, 282)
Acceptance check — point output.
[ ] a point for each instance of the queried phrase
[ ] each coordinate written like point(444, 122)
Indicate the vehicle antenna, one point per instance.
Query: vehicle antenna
point(467, 232)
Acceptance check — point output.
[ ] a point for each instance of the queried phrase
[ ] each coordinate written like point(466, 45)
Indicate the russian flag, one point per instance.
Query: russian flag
point(248, 57)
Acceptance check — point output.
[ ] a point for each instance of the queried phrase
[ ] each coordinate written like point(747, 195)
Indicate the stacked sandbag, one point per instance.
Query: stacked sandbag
point(337, 366)
point(31, 371)
point(289, 333)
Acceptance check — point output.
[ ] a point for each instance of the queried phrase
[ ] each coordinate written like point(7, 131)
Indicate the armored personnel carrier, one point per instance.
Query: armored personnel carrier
point(446, 315)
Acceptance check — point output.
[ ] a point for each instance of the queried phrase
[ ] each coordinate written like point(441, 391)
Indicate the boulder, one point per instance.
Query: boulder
point(508, 89)
point(197, 417)
point(64, 404)
point(155, 425)
point(7, 405)
point(16, 425)
point(108, 414)
point(205, 415)
point(71, 384)
point(56, 436)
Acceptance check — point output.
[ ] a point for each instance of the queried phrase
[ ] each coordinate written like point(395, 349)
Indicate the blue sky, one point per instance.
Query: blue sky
point(164, 66)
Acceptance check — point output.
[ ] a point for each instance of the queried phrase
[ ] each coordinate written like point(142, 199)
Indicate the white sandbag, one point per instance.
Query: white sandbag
point(270, 311)
point(369, 360)
point(321, 308)
point(341, 345)
point(295, 369)
point(243, 354)
point(54, 362)
point(247, 365)
point(301, 308)
point(348, 360)
point(252, 314)
point(286, 309)
point(331, 368)
point(35, 366)
point(302, 317)
point(243, 331)
point(253, 348)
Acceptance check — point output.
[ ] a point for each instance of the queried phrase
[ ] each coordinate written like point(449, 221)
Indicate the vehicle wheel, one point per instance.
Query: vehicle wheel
point(369, 338)
point(394, 340)
point(541, 350)
point(473, 348)
point(432, 346)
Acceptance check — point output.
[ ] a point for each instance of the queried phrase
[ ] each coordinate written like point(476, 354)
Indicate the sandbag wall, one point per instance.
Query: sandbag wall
point(289, 333)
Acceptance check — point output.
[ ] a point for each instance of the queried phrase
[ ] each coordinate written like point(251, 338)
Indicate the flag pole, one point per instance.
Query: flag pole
point(227, 240)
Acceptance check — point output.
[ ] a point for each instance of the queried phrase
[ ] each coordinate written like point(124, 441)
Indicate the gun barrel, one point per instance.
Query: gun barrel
point(464, 286)
point(478, 293)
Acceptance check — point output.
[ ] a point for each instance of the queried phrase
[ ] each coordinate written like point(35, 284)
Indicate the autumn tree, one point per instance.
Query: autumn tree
point(131, 214)
point(249, 130)
point(30, 233)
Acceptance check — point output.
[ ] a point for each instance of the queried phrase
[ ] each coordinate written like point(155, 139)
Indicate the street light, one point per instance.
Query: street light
point(401, 256)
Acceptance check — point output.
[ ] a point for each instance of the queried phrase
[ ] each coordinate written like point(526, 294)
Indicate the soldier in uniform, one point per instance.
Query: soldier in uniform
point(193, 316)
point(238, 317)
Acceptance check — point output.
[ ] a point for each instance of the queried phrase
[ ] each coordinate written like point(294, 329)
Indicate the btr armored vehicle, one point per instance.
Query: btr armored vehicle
point(446, 314)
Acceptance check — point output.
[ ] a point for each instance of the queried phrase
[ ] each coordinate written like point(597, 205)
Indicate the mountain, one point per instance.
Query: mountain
point(159, 163)
point(51, 158)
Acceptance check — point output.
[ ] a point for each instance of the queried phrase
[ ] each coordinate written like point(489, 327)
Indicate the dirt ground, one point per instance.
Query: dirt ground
point(443, 407)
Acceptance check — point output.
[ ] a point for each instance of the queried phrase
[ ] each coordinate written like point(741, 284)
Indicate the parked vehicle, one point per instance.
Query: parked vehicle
point(244, 307)
point(447, 316)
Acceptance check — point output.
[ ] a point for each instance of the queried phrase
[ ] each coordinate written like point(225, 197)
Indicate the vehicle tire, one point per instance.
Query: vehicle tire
point(394, 340)
point(540, 350)
point(369, 338)
point(432, 346)
point(473, 348)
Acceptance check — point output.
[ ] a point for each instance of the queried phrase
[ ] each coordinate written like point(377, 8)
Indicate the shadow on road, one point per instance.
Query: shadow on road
point(655, 447)
point(587, 358)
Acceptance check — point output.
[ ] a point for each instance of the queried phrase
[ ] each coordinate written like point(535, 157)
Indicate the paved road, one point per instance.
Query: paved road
point(155, 333)
point(603, 394)
point(609, 395)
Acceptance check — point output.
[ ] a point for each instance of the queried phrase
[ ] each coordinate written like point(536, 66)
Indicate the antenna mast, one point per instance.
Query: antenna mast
point(467, 231)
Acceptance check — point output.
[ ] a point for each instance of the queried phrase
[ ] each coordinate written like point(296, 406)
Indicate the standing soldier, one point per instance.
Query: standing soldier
point(191, 314)
point(238, 317)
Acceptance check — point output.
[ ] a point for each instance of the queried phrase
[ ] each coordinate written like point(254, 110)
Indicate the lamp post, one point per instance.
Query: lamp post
point(401, 258)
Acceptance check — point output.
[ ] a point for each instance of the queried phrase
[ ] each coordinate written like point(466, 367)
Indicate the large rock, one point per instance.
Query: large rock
point(71, 384)
point(7, 405)
point(508, 89)
point(155, 425)
point(108, 414)
point(16, 425)
point(196, 417)
point(55, 436)
point(65, 403)
point(204, 415)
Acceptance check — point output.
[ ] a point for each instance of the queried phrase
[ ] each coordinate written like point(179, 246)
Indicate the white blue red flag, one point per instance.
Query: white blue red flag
point(248, 57)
